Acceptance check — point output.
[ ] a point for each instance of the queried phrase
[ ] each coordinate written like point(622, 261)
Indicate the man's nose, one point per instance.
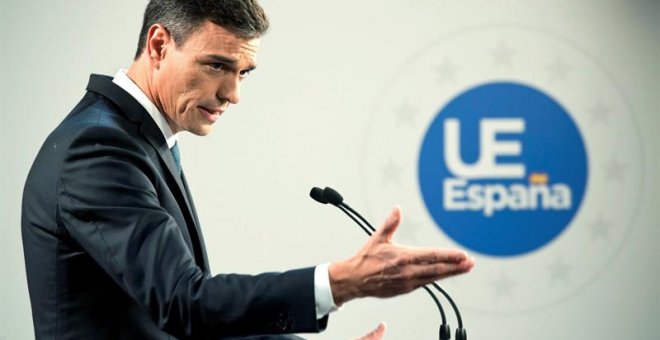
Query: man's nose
point(229, 90)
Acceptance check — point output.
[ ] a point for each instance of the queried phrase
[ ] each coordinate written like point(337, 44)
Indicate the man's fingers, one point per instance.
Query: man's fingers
point(423, 274)
point(393, 285)
point(434, 255)
point(376, 334)
point(436, 272)
point(385, 232)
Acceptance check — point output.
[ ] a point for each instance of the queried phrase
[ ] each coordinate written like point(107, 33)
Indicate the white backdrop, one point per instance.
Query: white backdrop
point(328, 72)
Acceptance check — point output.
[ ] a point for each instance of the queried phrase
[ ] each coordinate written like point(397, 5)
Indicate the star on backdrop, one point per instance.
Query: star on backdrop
point(446, 72)
point(405, 114)
point(559, 271)
point(600, 228)
point(615, 169)
point(559, 70)
point(502, 55)
point(600, 113)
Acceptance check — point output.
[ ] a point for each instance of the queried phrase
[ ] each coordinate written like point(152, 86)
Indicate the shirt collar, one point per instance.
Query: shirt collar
point(122, 80)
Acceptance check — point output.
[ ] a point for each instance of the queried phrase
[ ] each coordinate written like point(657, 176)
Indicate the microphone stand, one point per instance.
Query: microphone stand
point(329, 195)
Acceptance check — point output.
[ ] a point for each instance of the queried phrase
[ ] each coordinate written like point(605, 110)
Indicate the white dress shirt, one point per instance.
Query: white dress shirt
point(322, 293)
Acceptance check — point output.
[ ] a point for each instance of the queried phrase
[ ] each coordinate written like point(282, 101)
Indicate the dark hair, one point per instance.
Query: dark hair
point(245, 18)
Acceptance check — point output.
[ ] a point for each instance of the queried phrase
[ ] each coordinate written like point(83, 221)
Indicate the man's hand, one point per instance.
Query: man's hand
point(376, 334)
point(384, 269)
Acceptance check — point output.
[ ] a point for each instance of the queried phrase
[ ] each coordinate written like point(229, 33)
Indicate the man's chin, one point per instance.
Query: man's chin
point(202, 130)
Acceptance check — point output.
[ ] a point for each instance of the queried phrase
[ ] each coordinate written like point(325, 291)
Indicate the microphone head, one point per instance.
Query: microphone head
point(445, 332)
point(332, 196)
point(317, 195)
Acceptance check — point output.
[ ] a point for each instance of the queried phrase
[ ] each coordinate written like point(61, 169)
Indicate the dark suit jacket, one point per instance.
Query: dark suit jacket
point(112, 243)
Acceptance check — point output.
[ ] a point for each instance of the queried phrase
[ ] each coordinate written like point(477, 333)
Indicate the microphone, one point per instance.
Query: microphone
point(329, 195)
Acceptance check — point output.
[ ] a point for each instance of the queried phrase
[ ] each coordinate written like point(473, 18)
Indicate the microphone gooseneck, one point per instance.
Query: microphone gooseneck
point(343, 209)
point(318, 195)
point(329, 195)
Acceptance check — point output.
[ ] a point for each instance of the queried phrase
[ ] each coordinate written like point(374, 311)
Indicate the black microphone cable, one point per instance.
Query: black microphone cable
point(335, 198)
point(329, 195)
point(322, 195)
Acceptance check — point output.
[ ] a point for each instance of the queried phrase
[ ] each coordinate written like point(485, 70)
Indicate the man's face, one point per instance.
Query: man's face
point(195, 82)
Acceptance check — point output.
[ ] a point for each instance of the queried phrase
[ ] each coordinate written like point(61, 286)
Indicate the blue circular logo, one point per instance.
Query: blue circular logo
point(503, 169)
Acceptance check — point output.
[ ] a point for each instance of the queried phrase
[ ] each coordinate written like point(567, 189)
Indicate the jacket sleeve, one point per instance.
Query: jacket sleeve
point(108, 203)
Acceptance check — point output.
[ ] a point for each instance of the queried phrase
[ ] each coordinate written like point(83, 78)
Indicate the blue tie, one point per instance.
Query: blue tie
point(177, 156)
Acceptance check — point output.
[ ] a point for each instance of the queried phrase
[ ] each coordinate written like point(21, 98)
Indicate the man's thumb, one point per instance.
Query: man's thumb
point(376, 334)
point(391, 224)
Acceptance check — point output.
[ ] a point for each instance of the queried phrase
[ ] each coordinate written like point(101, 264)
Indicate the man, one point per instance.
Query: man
point(113, 246)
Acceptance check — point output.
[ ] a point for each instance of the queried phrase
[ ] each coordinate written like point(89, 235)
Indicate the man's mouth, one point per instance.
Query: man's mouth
point(210, 114)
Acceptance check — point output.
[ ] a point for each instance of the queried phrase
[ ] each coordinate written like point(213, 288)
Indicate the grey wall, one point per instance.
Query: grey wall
point(313, 113)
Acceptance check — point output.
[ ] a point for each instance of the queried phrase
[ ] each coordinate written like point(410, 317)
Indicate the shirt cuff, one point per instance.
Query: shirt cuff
point(325, 304)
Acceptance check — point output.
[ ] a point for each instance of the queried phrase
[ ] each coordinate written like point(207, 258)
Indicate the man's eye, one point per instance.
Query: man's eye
point(217, 66)
point(245, 73)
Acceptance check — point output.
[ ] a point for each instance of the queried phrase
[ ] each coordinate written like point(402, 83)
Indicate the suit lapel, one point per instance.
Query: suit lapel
point(104, 86)
point(194, 214)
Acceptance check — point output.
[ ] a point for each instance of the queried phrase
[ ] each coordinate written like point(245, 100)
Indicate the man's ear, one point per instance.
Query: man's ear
point(159, 41)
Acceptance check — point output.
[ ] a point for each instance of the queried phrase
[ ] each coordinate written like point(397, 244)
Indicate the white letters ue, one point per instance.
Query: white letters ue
point(490, 148)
